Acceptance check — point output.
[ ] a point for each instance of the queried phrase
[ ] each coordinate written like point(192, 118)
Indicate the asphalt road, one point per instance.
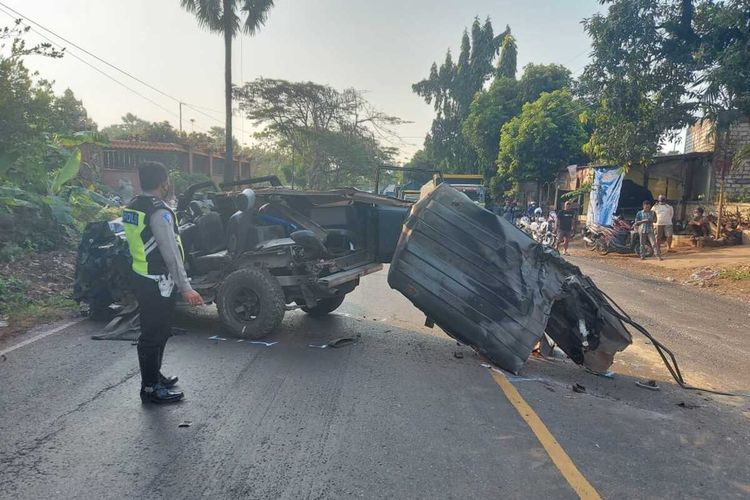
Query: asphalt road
point(395, 415)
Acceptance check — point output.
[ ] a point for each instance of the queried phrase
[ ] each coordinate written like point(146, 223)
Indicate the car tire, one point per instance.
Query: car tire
point(602, 248)
point(325, 306)
point(251, 303)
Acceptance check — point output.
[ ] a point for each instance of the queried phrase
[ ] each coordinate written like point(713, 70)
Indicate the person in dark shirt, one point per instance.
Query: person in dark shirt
point(644, 223)
point(566, 222)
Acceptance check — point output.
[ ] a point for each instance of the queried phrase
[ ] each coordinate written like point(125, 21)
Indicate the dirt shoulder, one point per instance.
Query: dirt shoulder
point(720, 270)
point(35, 289)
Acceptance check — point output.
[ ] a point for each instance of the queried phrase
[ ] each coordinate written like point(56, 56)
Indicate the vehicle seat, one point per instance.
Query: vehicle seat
point(210, 233)
point(241, 234)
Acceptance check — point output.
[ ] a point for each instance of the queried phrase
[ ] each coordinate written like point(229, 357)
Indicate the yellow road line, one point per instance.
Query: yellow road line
point(562, 461)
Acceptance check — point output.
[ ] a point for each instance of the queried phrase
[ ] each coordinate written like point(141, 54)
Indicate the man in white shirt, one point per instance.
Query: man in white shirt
point(664, 216)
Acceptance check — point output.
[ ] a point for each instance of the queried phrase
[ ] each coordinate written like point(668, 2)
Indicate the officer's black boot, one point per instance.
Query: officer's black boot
point(166, 380)
point(160, 395)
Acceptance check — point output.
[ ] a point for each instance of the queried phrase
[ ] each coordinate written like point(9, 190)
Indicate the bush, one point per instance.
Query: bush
point(182, 180)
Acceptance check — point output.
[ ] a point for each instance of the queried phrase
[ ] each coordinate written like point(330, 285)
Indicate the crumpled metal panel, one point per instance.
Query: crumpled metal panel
point(492, 287)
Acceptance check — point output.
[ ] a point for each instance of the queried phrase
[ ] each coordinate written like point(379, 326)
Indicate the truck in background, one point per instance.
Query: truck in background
point(472, 185)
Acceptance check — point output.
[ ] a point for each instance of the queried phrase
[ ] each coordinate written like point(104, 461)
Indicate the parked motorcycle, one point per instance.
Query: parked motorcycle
point(621, 238)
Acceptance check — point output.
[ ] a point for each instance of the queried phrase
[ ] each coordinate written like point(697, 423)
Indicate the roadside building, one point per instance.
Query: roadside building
point(117, 163)
point(689, 179)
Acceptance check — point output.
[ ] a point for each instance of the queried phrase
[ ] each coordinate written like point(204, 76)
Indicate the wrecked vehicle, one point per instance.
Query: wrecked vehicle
point(488, 284)
point(258, 252)
point(491, 286)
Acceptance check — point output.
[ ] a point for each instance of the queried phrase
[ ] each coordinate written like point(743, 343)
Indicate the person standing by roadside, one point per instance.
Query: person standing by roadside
point(565, 227)
point(155, 246)
point(644, 221)
point(509, 211)
point(664, 216)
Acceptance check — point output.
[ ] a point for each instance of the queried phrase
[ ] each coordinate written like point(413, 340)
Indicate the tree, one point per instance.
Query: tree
point(506, 67)
point(332, 135)
point(492, 108)
point(421, 161)
point(134, 128)
point(545, 137)
point(226, 17)
point(70, 116)
point(451, 89)
point(538, 78)
point(489, 110)
point(638, 78)
point(26, 118)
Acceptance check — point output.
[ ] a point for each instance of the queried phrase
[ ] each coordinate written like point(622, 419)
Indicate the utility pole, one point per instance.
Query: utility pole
point(192, 125)
point(181, 116)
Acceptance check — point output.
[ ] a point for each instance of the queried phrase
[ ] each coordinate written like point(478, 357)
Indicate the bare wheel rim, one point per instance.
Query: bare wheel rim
point(245, 305)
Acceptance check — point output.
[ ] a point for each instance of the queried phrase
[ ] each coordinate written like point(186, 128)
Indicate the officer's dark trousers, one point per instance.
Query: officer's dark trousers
point(156, 327)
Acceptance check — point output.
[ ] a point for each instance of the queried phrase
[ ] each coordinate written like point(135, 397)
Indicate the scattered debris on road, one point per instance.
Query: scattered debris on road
point(458, 354)
point(651, 385)
point(581, 389)
point(216, 338)
point(609, 375)
point(335, 344)
point(267, 344)
point(689, 406)
point(703, 277)
point(186, 423)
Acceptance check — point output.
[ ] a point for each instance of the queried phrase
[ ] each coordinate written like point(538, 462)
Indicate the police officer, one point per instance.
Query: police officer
point(156, 249)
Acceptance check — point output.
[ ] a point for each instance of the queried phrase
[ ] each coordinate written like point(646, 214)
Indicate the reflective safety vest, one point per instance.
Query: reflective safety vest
point(136, 219)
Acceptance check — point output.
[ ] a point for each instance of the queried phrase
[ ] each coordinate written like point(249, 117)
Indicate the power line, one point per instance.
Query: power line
point(111, 65)
point(90, 54)
point(72, 54)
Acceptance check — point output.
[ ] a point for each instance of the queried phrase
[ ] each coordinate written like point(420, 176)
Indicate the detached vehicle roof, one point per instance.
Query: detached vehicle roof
point(491, 286)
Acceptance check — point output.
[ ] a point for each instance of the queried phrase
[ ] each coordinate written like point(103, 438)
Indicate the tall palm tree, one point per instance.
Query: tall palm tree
point(229, 17)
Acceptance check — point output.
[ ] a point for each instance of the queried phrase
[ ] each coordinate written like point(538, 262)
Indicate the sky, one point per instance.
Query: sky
point(379, 47)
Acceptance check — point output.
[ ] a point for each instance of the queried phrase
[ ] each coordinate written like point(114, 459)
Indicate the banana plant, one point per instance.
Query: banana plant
point(72, 164)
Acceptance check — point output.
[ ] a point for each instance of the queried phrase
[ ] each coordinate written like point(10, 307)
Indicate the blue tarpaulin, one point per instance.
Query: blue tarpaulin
point(605, 195)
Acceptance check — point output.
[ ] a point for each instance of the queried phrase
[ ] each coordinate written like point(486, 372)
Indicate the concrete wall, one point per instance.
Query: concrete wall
point(737, 180)
point(698, 138)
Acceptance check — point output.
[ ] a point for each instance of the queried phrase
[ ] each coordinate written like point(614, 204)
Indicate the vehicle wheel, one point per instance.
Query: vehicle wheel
point(251, 303)
point(601, 247)
point(549, 240)
point(325, 306)
point(590, 245)
point(99, 309)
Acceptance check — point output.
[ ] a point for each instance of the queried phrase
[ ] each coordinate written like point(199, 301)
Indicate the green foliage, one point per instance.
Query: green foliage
point(720, 41)
point(740, 273)
point(67, 172)
point(501, 187)
point(422, 161)
point(538, 78)
point(69, 115)
point(494, 107)
point(41, 207)
point(582, 189)
point(133, 128)
point(12, 290)
point(544, 138)
point(655, 65)
point(451, 89)
point(489, 110)
point(229, 18)
point(507, 66)
point(181, 180)
point(330, 135)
